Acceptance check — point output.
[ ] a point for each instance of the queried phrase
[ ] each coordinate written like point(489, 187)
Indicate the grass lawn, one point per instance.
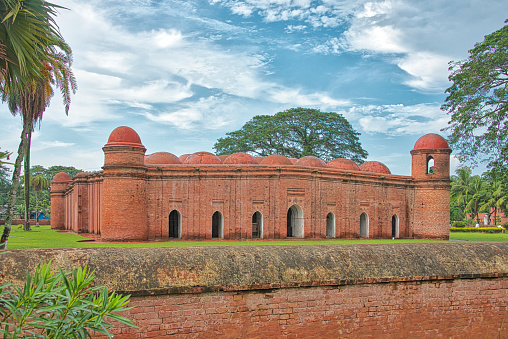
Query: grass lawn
point(44, 237)
point(479, 237)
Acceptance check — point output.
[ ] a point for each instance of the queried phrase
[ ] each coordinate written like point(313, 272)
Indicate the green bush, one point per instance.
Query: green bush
point(505, 225)
point(459, 224)
point(476, 230)
point(61, 305)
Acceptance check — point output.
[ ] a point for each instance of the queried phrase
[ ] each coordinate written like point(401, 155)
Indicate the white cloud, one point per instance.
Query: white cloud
point(428, 71)
point(396, 120)
point(50, 144)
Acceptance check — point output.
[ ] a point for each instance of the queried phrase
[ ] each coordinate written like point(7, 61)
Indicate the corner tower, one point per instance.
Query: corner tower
point(59, 184)
point(124, 210)
point(430, 171)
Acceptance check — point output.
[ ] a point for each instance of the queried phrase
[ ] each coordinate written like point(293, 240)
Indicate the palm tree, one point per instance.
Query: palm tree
point(461, 188)
point(30, 43)
point(477, 196)
point(39, 183)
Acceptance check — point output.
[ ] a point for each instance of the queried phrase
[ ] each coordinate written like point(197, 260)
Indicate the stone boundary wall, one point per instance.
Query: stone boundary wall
point(33, 222)
point(443, 290)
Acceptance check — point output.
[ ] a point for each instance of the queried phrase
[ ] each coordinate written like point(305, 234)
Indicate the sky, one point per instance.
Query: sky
point(183, 73)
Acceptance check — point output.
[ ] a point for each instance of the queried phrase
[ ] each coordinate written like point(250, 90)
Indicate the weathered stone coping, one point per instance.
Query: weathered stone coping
point(146, 271)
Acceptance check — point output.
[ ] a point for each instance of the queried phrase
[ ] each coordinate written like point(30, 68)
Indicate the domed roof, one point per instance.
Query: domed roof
point(276, 159)
point(343, 164)
point(431, 141)
point(79, 175)
point(61, 177)
point(293, 160)
point(240, 159)
point(310, 161)
point(203, 158)
point(162, 158)
point(184, 157)
point(375, 167)
point(124, 136)
point(259, 159)
point(223, 157)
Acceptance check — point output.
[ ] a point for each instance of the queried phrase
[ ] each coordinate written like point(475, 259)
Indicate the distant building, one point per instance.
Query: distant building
point(199, 196)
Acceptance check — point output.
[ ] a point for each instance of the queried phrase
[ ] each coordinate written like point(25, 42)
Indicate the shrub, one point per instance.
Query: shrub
point(459, 224)
point(61, 305)
point(505, 225)
point(476, 230)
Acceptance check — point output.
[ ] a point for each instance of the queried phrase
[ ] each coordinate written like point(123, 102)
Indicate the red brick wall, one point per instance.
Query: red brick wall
point(468, 308)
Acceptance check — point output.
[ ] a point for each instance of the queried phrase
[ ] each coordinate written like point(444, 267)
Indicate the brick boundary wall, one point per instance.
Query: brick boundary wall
point(33, 222)
point(439, 290)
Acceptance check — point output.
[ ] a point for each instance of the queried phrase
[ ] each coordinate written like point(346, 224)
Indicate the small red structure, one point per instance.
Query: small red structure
point(200, 196)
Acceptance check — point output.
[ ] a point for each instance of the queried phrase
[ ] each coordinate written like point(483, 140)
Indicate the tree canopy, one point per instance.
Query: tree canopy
point(478, 102)
point(296, 133)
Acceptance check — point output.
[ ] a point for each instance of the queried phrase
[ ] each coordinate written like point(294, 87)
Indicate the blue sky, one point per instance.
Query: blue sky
point(182, 73)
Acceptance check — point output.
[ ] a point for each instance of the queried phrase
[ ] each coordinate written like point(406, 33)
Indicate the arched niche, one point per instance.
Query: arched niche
point(295, 222)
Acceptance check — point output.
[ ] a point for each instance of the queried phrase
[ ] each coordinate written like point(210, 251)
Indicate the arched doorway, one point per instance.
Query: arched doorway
point(295, 222)
point(395, 226)
point(330, 225)
point(175, 224)
point(217, 225)
point(257, 225)
point(364, 225)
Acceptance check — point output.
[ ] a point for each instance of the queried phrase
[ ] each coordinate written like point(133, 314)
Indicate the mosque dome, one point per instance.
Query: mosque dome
point(184, 157)
point(124, 136)
point(431, 141)
point(310, 161)
point(276, 159)
point(61, 177)
point(374, 167)
point(203, 158)
point(162, 158)
point(343, 164)
point(240, 159)
point(259, 159)
point(223, 157)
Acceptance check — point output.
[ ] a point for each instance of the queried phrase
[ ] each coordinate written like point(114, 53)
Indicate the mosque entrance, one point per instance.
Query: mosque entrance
point(257, 225)
point(174, 224)
point(295, 222)
point(330, 225)
point(364, 225)
point(217, 225)
point(395, 226)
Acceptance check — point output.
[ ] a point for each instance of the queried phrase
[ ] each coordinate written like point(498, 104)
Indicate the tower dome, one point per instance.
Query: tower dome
point(124, 136)
point(431, 141)
point(374, 167)
point(276, 159)
point(343, 164)
point(203, 158)
point(310, 161)
point(162, 158)
point(61, 177)
point(240, 159)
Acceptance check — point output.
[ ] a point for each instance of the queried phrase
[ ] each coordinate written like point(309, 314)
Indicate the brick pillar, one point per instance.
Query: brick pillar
point(59, 184)
point(124, 203)
point(430, 171)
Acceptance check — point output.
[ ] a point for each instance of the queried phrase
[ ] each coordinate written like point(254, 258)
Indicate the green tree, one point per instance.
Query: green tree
point(31, 94)
point(478, 102)
point(61, 305)
point(38, 183)
point(296, 133)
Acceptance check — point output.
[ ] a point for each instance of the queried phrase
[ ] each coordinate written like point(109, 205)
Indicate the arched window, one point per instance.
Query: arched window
point(175, 224)
point(217, 225)
point(330, 225)
point(364, 225)
point(257, 225)
point(430, 165)
point(295, 222)
point(395, 226)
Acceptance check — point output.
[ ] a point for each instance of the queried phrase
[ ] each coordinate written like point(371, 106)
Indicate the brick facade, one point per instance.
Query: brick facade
point(134, 200)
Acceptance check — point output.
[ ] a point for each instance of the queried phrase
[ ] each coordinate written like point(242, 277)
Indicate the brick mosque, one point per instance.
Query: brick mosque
point(138, 197)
